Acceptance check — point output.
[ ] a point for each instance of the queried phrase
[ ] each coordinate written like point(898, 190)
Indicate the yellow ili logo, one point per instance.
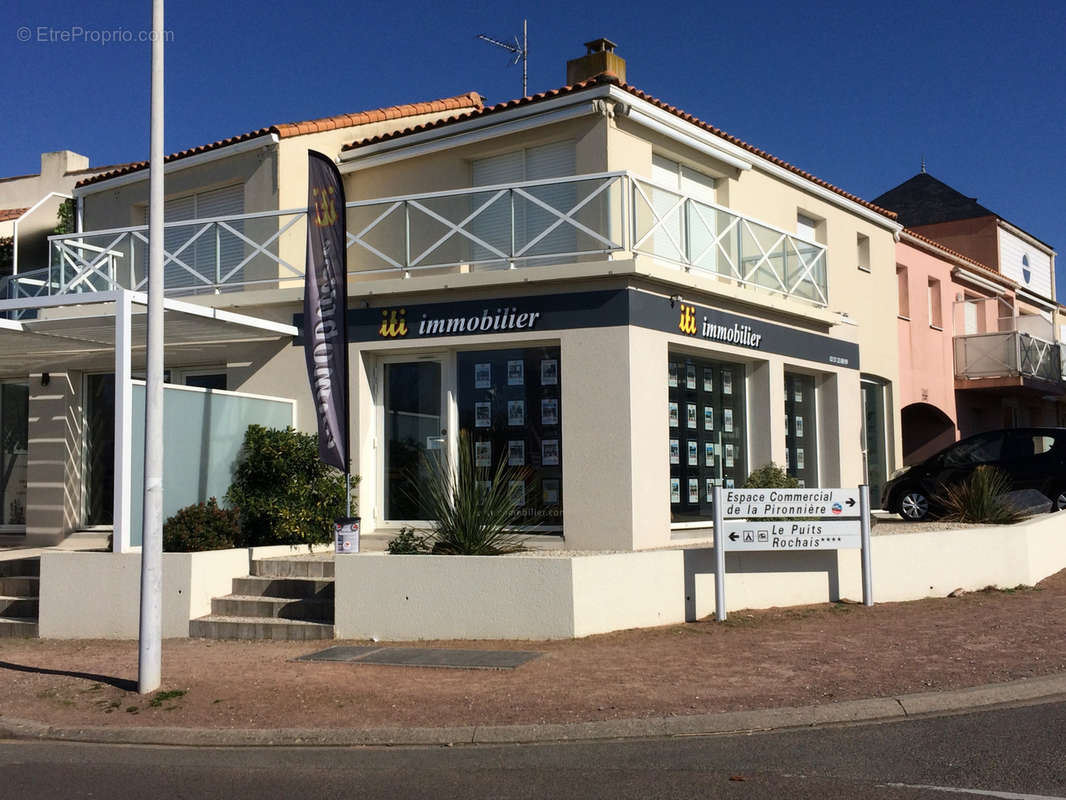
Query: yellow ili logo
point(393, 324)
point(325, 208)
point(687, 323)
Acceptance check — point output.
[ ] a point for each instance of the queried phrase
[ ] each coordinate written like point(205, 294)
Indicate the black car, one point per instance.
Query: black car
point(1033, 458)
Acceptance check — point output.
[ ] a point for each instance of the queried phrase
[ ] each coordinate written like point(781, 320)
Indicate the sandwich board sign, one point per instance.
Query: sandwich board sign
point(778, 520)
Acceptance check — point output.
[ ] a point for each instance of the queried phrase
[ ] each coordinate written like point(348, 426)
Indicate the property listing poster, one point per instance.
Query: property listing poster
point(510, 404)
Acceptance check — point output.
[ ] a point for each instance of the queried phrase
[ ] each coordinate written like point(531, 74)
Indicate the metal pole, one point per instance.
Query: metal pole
point(151, 628)
point(525, 60)
point(719, 556)
point(864, 521)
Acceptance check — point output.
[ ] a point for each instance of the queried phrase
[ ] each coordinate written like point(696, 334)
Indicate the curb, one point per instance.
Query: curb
point(878, 709)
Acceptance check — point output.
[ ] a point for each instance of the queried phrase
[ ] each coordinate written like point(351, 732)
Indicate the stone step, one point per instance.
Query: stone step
point(215, 627)
point(19, 607)
point(283, 608)
point(22, 586)
point(20, 567)
point(267, 586)
point(17, 628)
point(318, 567)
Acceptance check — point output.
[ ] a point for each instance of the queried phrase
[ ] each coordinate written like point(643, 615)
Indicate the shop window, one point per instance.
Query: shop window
point(863, 252)
point(903, 292)
point(206, 380)
point(708, 433)
point(801, 432)
point(935, 319)
point(510, 404)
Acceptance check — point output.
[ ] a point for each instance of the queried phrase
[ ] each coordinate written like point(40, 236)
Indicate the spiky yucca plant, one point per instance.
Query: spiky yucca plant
point(979, 499)
point(472, 509)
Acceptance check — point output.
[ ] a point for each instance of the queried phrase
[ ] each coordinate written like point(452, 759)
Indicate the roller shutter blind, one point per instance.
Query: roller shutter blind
point(226, 201)
point(554, 160)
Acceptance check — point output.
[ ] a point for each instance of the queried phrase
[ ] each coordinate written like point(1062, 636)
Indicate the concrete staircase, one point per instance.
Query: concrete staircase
point(19, 589)
point(281, 599)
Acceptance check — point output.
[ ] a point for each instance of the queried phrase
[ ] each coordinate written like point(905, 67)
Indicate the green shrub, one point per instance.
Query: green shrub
point(284, 493)
point(979, 499)
point(472, 508)
point(770, 476)
point(203, 526)
point(408, 542)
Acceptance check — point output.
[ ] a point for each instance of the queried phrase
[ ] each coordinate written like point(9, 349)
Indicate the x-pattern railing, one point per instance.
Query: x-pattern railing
point(1039, 358)
point(520, 224)
point(707, 237)
point(986, 355)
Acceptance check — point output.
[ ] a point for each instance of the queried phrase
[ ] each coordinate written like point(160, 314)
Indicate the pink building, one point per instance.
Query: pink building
point(979, 344)
point(943, 295)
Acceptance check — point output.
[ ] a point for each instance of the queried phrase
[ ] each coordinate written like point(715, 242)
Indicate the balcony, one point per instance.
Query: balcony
point(520, 225)
point(1009, 354)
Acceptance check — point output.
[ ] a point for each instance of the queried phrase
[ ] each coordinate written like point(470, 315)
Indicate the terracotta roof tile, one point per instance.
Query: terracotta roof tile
point(287, 129)
point(608, 78)
point(11, 213)
point(935, 245)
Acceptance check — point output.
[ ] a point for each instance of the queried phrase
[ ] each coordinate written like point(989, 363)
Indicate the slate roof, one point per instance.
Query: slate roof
point(924, 200)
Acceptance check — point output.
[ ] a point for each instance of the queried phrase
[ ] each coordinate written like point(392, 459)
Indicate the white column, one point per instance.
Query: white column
point(151, 629)
point(123, 424)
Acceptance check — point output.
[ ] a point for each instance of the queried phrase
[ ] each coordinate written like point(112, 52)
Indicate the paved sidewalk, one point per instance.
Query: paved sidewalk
point(763, 669)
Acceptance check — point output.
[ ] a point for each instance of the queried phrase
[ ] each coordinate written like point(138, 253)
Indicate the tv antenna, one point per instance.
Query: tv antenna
point(519, 49)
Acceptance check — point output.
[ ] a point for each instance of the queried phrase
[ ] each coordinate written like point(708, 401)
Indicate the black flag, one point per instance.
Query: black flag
point(325, 307)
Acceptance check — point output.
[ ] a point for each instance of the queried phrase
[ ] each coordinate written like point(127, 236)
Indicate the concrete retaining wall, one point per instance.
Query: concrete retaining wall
point(517, 597)
point(906, 566)
point(97, 595)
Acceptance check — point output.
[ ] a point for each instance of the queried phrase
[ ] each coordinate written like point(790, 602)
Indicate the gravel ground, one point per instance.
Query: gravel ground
point(757, 659)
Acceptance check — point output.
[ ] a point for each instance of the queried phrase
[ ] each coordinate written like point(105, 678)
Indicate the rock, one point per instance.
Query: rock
point(957, 592)
point(1028, 501)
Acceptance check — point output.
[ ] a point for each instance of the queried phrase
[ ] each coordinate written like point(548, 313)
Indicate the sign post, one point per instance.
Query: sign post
point(864, 520)
point(719, 556)
point(777, 520)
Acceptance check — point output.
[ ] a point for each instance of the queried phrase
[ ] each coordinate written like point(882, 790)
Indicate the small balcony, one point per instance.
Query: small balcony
point(514, 226)
point(1009, 354)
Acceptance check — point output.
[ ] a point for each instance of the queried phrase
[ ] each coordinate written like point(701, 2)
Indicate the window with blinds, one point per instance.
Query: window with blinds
point(685, 234)
point(493, 225)
point(215, 253)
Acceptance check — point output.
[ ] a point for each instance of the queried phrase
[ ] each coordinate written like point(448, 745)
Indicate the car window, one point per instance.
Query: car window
point(975, 450)
point(1028, 445)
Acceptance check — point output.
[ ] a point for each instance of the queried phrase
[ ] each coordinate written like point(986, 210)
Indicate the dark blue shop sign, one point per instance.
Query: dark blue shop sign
point(613, 307)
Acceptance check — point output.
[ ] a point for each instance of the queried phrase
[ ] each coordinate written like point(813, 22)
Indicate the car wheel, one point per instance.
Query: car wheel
point(913, 505)
point(1058, 498)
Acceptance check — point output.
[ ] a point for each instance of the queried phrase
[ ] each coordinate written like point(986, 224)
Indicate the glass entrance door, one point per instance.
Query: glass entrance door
point(874, 439)
point(414, 435)
point(99, 449)
point(14, 424)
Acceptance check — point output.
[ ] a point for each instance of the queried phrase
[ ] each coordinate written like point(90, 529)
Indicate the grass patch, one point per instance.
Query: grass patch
point(161, 697)
point(1021, 587)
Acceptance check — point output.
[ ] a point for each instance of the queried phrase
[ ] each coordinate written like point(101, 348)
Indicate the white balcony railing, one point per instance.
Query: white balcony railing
point(1008, 354)
point(585, 217)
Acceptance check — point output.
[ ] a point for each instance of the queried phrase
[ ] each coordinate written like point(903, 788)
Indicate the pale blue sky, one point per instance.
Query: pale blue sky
point(855, 93)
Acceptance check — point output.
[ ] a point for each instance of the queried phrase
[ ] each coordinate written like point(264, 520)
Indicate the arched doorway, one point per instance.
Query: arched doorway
point(926, 429)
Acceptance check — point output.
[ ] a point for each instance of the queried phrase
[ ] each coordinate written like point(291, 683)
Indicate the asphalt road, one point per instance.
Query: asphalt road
point(1011, 753)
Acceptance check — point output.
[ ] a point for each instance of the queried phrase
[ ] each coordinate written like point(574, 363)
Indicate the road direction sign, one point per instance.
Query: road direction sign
point(790, 503)
point(755, 534)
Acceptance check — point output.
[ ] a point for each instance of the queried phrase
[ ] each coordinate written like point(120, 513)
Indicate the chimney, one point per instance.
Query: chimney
point(61, 162)
point(599, 58)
